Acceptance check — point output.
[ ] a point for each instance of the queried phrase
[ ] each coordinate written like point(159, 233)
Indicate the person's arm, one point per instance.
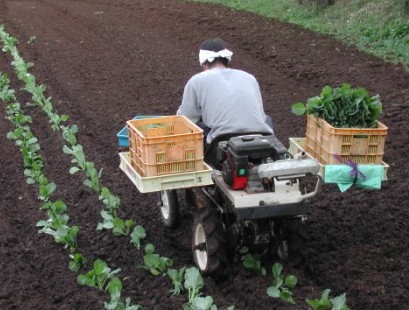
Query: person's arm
point(189, 106)
point(267, 118)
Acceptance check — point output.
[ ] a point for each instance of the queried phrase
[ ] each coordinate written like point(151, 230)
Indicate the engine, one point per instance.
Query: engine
point(241, 156)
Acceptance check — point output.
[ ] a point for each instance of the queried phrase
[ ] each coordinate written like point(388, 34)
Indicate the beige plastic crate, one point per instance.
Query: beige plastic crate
point(165, 145)
point(165, 182)
point(361, 145)
point(298, 145)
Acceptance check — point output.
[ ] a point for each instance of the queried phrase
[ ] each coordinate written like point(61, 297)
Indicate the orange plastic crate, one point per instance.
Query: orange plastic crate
point(165, 145)
point(361, 145)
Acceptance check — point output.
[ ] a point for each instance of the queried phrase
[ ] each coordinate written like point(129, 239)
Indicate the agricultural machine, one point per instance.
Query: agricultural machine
point(258, 199)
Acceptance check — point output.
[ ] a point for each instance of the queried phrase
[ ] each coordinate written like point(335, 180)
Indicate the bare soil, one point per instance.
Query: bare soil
point(104, 62)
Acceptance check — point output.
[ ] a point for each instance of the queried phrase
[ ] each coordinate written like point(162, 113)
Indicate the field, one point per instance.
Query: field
point(104, 62)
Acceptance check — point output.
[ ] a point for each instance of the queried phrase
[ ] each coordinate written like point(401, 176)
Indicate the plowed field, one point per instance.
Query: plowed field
point(104, 62)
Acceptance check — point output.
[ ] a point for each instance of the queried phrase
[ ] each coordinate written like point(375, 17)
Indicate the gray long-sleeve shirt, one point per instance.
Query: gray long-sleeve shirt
point(225, 100)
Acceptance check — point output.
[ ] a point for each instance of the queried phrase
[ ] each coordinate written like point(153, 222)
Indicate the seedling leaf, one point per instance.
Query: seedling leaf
point(273, 292)
point(202, 303)
point(137, 235)
point(290, 281)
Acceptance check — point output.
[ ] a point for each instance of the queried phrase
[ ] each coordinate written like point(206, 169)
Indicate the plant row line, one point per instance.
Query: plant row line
point(57, 223)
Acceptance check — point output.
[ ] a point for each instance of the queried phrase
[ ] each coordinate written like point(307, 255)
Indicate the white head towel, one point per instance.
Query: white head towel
point(210, 56)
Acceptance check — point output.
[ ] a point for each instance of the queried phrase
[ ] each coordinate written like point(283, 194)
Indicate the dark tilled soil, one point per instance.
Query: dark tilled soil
point(104, 62)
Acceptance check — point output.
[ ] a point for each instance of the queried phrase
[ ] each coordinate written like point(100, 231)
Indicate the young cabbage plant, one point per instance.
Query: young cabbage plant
point(33, 162)
point(137, 235)
point(93, 175)
point(77, 261)
point(251, 262)
point(65, 235)
point(201, 303)
point(114, 288)
point(69, 134)
point(34, 176)
point(110, 201)
point(13, 110)
point(155, 263)
point(119, 227)
point(8, 40)
point(6, 94)
point(54, 222)
point(194, 284)
point(57, 206)
point(281, 287)
point(98, 276)
point(46, 190)
point(56, 213)
point(77, 152)
point(176, 277)
point(327, 303)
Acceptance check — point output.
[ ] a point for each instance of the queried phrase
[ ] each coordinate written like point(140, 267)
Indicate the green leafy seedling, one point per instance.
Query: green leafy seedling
point(194, 283)
point(281, 287)
point(111, 202)
point(202, 303)
point(251, 262)
point(137, 235)
point(343, 107)
point(97, 276)
point(114, 288)
point(77, 262)
point(69, 134)
point(177, 278)
point(339, 302)
point(46, 190)
point(67, 236)
point(155, 263)
point(327, 303)
point(119, 227)
point(57, 216)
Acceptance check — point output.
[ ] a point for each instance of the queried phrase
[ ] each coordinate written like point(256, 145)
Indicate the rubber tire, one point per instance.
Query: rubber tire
point(208, 232)
point(294, 237)
point(169, 208)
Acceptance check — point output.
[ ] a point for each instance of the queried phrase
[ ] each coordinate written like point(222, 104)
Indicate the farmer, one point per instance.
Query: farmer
point(223, 100)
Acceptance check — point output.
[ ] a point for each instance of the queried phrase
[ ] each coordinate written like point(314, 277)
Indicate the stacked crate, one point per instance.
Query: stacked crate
point(165, 145)
point(360, 145)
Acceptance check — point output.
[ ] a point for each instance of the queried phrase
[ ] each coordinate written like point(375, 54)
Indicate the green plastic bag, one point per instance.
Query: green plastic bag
point(364, 176)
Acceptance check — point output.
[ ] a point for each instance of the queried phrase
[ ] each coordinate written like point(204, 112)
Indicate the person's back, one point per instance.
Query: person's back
point(225, 100)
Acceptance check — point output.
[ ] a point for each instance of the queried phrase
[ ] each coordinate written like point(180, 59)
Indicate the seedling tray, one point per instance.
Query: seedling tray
point(165, 182)
point(123, 134)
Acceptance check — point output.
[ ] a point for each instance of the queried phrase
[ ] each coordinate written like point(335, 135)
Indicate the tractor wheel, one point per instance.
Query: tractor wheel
point(209, 244)
point(169, 208)
point(291, 246)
